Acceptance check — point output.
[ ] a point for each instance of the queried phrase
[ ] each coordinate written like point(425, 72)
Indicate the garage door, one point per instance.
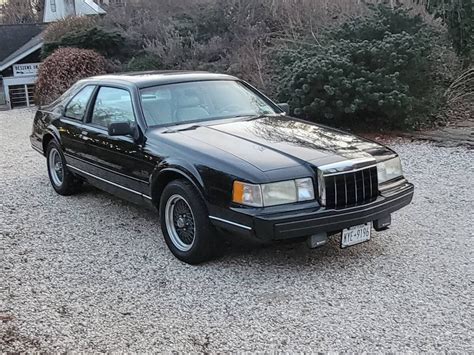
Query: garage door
point(21, 95)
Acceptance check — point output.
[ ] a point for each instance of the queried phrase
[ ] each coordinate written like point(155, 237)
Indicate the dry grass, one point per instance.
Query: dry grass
point(462, 89)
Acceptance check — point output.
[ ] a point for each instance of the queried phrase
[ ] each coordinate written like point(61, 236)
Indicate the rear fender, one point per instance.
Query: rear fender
point(51, 132)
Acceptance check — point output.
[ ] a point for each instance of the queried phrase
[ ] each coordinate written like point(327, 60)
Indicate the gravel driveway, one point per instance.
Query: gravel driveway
point(92, 273)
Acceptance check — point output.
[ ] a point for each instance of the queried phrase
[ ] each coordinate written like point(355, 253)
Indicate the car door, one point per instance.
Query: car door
point(117, 161)
point(71, 125)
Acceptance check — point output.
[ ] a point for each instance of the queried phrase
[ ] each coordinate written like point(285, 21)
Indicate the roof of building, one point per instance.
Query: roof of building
point(18, 41)
point(152, 78)
point(63, 9)
point(88, 7)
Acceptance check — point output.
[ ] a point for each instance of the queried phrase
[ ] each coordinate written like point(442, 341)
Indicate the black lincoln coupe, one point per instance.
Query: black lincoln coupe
point(211, 152)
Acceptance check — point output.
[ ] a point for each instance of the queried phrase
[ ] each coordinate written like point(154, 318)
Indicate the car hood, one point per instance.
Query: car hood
point(280, 142)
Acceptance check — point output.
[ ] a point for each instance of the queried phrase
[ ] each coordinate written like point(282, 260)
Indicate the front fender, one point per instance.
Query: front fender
point(169, 170)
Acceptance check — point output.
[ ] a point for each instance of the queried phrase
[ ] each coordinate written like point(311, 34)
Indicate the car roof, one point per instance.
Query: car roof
point(153, 78)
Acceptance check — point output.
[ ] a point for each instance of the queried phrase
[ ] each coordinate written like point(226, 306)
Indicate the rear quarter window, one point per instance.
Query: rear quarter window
point(76, 108)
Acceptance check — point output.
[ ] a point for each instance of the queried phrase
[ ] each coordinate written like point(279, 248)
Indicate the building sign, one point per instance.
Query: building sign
point(25, 69)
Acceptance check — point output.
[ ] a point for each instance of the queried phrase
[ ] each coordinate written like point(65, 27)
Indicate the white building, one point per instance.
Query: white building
point(20, 51)
point(58, 9)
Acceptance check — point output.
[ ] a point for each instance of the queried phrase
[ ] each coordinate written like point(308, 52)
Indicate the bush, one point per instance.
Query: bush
point(458, 16)
point(144, 62)
point(56, 30)
point(107, 42)
point(63, 68)
point(369, 73)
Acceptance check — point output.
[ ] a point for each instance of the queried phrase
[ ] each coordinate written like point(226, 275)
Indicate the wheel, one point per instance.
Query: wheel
point(62, 180)
point(185, 223)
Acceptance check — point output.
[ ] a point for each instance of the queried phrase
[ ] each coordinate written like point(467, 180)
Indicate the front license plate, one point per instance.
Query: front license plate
point(355, 235)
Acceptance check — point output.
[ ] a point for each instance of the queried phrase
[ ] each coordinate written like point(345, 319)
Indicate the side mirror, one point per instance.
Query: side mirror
point(285, 107)
point(121, 129)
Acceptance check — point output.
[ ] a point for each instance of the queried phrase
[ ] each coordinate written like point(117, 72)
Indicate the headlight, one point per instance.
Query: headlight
point(273, 194)
point(247, 194)
point(279, 193)
point(389, 170)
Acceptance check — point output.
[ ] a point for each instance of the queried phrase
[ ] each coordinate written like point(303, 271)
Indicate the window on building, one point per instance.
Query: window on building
point(53, 5)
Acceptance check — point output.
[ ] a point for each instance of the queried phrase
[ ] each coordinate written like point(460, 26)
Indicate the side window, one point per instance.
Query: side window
point(76, 108)
point(112, 105)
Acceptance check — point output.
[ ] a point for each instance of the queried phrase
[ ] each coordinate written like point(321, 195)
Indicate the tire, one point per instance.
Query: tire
point(185, 223)
point(62, 180)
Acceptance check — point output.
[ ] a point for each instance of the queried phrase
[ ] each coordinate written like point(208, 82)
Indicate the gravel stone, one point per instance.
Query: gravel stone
point(92, 273)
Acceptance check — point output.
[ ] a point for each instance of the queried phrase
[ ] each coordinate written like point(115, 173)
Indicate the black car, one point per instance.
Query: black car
point(211, 152)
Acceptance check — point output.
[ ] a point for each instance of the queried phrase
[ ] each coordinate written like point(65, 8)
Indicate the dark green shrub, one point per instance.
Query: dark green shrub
point(56, 30)
point(371, 72)
point(144, 62)
point(106, 42)
point(458, 15)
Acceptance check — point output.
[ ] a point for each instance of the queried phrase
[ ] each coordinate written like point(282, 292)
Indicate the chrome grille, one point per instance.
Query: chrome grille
point(350, 188)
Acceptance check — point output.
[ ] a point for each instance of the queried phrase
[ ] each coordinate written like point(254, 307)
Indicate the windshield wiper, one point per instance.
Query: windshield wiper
point(190, 128)
point(252, 117)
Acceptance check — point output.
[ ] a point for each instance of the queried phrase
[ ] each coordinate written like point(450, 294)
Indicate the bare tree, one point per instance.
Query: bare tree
point(21, 11)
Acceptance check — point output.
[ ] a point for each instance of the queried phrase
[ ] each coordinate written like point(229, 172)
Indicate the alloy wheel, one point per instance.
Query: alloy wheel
point(56, 168)
point(180, 223)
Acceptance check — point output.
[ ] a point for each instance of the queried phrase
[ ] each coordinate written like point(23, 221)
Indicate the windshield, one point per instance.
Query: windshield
point(201, 101)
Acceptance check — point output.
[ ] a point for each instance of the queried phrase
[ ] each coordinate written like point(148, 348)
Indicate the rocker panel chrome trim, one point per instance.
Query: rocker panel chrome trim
point(108, 182)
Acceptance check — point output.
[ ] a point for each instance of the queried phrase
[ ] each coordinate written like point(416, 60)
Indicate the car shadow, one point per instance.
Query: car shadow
point(296, 253)
point(88, 191)
point(233, 248)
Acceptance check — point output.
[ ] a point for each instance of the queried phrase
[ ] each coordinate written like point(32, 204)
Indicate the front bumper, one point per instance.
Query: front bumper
point(279, 225)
